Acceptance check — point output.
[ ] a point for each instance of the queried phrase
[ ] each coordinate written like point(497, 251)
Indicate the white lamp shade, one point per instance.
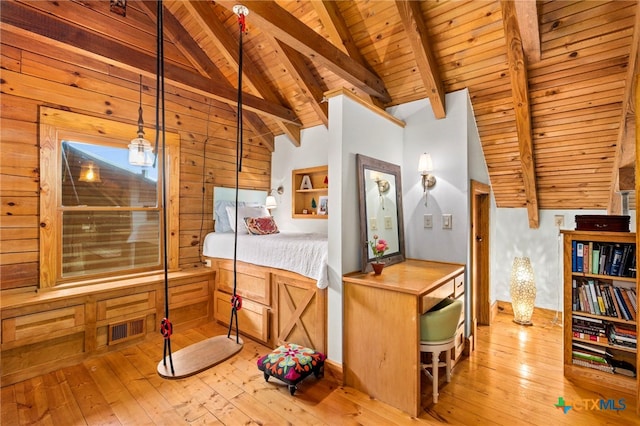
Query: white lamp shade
point(523, 290)
point(425, 164)
point(270, 202)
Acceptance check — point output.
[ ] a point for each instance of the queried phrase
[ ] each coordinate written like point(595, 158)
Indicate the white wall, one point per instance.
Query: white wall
point(446, 141)
point(511, 237)
point(313, 151)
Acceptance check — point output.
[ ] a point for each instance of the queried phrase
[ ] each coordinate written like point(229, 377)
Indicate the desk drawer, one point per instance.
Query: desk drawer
point(458, 285)
point(432, 298)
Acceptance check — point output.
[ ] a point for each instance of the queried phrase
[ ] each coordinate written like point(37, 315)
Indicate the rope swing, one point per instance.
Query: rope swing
point(199, 356)
point(166, 328)
point(236, 300)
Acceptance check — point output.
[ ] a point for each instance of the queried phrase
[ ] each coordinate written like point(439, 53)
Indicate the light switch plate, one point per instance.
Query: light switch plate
point(447, 221)
point(387, 222)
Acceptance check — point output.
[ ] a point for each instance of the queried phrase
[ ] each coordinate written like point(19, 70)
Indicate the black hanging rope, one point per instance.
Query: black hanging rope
point(166, 328)
point(236, 300)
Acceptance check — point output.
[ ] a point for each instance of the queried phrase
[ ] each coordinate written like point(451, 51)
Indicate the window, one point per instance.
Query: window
point(100, 216)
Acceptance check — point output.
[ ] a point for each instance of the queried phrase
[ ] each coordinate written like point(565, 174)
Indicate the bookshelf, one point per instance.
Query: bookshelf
point(309, 199)
point(600, 309)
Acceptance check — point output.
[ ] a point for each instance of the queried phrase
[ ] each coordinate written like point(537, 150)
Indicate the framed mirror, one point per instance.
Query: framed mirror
point(380, 196)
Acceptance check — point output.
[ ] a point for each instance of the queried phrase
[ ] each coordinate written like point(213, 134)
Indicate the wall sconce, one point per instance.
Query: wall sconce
point(270, 202)
point(523, 290)
point(425, 165)
point(140, 152)
point(89, 172)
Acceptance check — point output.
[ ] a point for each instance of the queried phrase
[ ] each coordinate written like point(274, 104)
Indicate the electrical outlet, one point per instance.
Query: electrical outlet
point(373, 224)
point(207, 263)
point(428, 221)
point(447, 221)
point(558, 220)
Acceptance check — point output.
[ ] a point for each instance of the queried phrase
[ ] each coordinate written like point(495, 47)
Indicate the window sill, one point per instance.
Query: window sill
point(71, 291)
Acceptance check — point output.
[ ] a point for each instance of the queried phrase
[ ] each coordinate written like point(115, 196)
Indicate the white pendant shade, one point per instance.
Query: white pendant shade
point(140, 152)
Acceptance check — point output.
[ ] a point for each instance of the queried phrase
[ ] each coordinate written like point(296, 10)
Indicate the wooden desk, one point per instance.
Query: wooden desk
point(381, 353)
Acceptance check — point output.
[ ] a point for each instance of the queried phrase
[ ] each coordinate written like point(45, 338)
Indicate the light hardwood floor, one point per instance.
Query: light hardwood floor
point(513, 378)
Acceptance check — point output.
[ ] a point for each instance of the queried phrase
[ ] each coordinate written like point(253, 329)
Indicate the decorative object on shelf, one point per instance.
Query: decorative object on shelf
point(140, 152)
point(323, 204)
point(270, 202)
point(378, 247)
point(306, 183)
point(313, 203)
point(326, 181)
point(523, 290)
point(425, 165)
point(89, 172)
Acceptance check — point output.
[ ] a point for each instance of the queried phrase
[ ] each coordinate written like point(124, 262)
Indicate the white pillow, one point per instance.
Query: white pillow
point(244, 211)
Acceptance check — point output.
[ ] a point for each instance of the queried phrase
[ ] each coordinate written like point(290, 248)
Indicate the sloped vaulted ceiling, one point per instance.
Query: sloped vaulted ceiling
point(551, 82)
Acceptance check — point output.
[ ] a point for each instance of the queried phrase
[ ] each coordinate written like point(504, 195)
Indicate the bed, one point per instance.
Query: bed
point(281, 276)
point(304, 254)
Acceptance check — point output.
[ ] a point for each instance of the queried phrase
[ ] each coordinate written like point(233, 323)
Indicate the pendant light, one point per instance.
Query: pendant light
point(140, 152)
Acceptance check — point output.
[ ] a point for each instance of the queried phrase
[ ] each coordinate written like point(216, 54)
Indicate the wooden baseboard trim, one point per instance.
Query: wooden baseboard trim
point(494, 311)
point(333, 371)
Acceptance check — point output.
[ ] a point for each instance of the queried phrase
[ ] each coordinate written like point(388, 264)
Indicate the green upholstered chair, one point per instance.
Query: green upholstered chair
point(438, 334)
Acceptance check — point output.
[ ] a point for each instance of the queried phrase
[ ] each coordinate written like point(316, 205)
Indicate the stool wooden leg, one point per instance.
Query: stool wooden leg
point(435, 361)
point(448, 365)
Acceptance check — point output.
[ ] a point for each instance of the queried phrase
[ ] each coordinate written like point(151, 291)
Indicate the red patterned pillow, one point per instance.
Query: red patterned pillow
point(261, 225)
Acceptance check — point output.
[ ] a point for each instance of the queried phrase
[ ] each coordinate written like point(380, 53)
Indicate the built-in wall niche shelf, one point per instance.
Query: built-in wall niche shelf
point(310, 193)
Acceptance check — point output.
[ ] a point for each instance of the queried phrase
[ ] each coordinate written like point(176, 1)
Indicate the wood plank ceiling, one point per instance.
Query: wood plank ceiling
point(551, 82)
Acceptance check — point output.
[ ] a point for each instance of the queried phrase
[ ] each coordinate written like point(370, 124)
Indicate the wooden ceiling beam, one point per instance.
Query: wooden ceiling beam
point(209, 22)
point(627, 135)
point(110, 51)
point(295, 64)
point(340, 36)
point(192, 51)
point(270, 17)
point(520, 93)
point(527, 15)
point(416, 30)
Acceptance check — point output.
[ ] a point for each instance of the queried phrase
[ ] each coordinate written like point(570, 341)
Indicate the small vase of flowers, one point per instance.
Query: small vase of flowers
point(378, 247)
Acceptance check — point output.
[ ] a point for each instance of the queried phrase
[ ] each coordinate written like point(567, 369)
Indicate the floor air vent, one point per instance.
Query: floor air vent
point(126, 330)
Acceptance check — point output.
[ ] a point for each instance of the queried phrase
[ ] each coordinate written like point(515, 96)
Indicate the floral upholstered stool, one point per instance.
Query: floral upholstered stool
point(291, 363)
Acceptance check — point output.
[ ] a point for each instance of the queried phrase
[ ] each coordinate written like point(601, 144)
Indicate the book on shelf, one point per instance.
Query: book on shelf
point(580, 257)
point(628, 305)
point(597, 366)
point(595, 258)
point(586, 255)
point(624, 309)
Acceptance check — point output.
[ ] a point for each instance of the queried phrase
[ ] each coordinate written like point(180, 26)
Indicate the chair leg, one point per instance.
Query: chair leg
point(435, 360)
point(448, 365)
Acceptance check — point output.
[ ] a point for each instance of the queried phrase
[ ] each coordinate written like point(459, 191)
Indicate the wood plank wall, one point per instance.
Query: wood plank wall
point(35, 73)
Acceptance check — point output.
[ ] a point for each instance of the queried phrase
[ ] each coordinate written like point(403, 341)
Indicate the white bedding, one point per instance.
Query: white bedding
point(302, 253)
